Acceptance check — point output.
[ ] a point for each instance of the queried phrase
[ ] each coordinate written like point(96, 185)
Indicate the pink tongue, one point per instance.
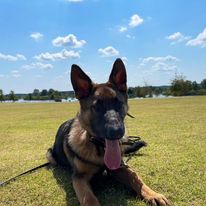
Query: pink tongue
point(112, 156)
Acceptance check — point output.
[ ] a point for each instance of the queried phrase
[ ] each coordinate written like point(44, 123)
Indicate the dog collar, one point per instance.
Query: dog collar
point(97, 141)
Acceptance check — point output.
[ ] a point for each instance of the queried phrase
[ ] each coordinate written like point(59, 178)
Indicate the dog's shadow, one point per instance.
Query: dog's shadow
point(108, 191)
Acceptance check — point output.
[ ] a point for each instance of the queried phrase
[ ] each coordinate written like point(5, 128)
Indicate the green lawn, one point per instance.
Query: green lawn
point(174, 163)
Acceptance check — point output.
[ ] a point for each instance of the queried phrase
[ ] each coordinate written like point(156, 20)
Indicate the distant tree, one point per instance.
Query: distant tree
point(51, 94)
point(44, 92)
point(131, 92)
point(141, 92)
point(30, 96)
point(157, 91)
point(51, 91)
point(2, 98)
point(188, 86)
point(57, 96)
point(36, 92)
point(149, 91)
point(180, 86)
point(195, 86)
point(203, 84)
point(12, 96)
point(167, 91)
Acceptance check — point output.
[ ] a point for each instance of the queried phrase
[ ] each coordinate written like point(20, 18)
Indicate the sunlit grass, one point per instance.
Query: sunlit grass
point(174, 163)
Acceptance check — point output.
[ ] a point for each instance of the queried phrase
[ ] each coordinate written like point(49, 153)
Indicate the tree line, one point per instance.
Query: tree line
point(180, 86)
point(50, 94)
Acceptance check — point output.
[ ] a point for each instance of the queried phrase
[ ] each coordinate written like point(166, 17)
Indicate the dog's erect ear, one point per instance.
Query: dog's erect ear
point(118, 76)
point(81, 83)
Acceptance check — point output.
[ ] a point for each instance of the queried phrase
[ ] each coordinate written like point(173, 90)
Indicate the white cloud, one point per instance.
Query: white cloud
point(74, 1)
point(43, 66)
point(8, 57)
point(162, 66)
point(27, 66)
point(15, 73)
point(2, 75)
point(37, 65)
point(69, 40)
point(177, 37)
point(130, 37)
point(167, 58)
point(165, 63)
point(21, 57)
point(124, 59)
point(122, 29)
point(200, 40)
point(64, 54)
point(36, 36)
point(108, 51)
point(135, 21)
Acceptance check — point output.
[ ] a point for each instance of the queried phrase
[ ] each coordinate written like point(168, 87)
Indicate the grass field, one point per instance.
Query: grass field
point(174, 163)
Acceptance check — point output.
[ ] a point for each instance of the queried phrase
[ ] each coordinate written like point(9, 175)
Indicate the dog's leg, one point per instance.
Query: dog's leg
point(84, 193)
point(132, 180)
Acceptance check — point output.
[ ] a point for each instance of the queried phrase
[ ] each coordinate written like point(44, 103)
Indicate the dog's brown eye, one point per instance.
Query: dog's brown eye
point(97, 106)
point(118, 104)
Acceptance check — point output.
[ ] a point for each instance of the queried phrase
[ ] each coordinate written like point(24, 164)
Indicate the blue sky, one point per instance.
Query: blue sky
point(41, 39)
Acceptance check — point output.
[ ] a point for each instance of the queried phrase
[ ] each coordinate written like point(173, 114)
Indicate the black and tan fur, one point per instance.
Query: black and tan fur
point(103, 108)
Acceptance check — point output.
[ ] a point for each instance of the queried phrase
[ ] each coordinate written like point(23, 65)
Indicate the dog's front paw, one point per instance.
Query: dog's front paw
point(157, 199)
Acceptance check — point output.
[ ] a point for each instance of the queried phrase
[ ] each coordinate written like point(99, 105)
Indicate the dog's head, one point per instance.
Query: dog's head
point(103, 107)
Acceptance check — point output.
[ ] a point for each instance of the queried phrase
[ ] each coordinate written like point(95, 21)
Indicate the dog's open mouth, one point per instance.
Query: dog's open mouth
point(112, 156)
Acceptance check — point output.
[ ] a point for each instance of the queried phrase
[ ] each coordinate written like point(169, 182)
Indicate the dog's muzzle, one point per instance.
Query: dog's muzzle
point(114, 125)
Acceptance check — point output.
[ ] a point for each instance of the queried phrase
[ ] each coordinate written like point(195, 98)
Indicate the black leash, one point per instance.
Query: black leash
point(26, 172)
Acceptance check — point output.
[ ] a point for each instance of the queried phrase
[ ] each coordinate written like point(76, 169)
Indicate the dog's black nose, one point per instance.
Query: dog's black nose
point(114, 125)
point(114, 132)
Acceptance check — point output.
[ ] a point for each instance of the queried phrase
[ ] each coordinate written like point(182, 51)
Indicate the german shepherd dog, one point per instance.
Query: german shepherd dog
point(92, 141)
